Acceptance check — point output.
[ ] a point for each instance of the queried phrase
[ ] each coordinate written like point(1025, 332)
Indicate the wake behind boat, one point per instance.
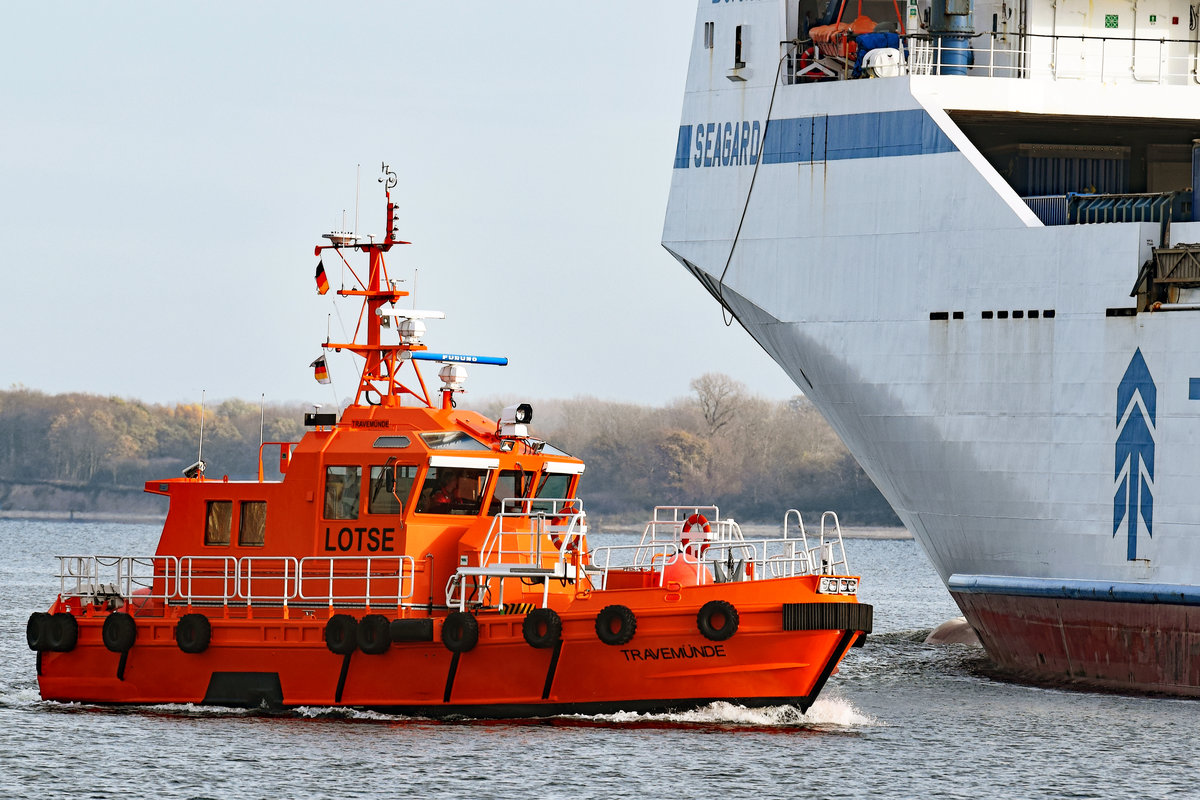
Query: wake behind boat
point(421, 558)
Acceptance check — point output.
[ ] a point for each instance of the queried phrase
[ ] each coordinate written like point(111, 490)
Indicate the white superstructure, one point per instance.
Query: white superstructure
point(938, 261)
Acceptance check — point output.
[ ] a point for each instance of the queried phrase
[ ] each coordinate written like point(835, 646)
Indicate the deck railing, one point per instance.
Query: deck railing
point(1100, 59)
point(248, 581)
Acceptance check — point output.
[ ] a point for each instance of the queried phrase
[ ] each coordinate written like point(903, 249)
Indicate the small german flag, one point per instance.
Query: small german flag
point(320, 370)
point(322, 281)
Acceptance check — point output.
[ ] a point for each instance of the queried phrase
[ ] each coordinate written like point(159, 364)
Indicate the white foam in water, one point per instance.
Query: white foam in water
point(824, 712)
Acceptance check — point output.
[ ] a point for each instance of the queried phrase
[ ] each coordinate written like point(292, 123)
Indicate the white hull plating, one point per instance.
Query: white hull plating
point(988, 371)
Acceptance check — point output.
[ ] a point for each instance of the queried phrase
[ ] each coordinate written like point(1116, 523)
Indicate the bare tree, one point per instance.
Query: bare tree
point(719, 396)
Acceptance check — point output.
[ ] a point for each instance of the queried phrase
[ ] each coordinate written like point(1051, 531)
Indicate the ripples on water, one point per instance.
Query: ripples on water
point(901, 719)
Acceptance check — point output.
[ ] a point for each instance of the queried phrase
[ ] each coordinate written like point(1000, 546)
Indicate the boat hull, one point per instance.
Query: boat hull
point(1123, 646)
point(281, 662)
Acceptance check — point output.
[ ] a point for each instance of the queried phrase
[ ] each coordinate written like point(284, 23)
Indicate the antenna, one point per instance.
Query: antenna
point(197, 470)
point(262, 418)
point(200, 454)
point(357, 181)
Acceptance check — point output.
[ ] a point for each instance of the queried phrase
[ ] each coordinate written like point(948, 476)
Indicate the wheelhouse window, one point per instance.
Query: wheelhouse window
point(218, 520)
point(552, 485)
point(252, 523)
point(452, 490)
point(452, 440)
point(390, 488)
point(342, 490)
point(509, 483)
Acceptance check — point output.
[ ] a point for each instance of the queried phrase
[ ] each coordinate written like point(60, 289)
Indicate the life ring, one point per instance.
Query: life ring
point(341, 634)
point(460, 632)
point(37, 631)
point(695, 520)
point(714, 612)
point(374, 634)
point(558, 532)
point(615, 625)
point(542, 628)
point(119, 632)
point(193, 633)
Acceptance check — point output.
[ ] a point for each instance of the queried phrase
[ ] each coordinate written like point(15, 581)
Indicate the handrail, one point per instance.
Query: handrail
point(1106, 59)
point(272, 580)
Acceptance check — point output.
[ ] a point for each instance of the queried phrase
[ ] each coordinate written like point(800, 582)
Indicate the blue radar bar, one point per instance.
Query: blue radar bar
point(421, 355)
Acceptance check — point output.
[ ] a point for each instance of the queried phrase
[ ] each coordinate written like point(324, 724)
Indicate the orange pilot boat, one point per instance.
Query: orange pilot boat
point(420, 558)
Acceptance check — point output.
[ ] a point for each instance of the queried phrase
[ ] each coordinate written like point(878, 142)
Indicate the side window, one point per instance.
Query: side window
point(252, 526)
point(738, 34)
point(708, 36)
point(452, 490)
point(509, 483)
point(342, 490)
point(218, 519)
point(385, 499)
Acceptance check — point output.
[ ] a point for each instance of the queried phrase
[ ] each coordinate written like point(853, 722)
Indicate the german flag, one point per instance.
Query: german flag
point(320, 369)
point(322, 281)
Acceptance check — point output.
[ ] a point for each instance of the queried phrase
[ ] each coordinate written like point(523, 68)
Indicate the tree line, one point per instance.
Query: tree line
point(720, 445)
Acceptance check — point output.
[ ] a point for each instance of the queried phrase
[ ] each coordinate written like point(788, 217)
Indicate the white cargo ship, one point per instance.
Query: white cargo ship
point(964, 230)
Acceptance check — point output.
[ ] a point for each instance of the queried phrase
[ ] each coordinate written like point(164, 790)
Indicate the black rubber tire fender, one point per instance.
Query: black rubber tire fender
point(374, 634)
point(542, 628)
point(616, 624)
point(715, 611)
point(460, 632)
point(193, 633)
point(341, 634)
point(119, 632)
point(62, 633)
point(37, 631)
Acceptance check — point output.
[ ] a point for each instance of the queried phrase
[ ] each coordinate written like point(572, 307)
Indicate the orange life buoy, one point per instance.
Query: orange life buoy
point(695, 520)
point(560, 523)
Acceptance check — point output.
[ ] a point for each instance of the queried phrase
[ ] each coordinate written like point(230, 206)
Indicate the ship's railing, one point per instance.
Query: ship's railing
point(516, 547)
point(95, 578)
point(248, 581)
point(996, 54)
point(726, 555)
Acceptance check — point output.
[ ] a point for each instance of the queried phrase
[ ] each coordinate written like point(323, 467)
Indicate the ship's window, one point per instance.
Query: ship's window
point(452, 490)
point(509, 483)
point(390, 485)
point(708, 36)
point(452, 440)
point(551, 450)
point(252, 526)
point(738, 63)
point(987, 315)
point(1018, 314)
point(342, 490)
point(217, 521)
point(552, 486)
point(1033, 313)
point(392, 441)
point(1001, 315)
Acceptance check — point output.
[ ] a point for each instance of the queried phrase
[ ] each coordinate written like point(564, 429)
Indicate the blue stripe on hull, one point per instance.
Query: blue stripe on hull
point(1111, 591)
point(878, 134)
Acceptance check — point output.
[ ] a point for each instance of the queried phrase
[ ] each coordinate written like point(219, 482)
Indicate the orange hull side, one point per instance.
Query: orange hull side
point(285, 662)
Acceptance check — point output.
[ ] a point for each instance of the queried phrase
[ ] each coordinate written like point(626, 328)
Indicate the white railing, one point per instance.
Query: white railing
point(515, 548)
point(250, 580)
point(1102, 59)
point(726, 555)
point(103, 577)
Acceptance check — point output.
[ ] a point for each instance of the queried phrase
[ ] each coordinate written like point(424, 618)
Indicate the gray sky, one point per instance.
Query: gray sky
point(168, 168)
